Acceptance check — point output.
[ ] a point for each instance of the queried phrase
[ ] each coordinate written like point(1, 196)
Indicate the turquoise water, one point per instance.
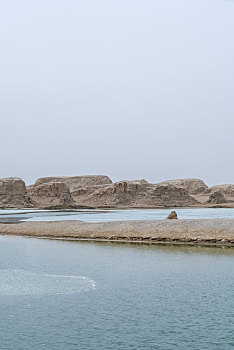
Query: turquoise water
point(59, 295)
point(17, 215)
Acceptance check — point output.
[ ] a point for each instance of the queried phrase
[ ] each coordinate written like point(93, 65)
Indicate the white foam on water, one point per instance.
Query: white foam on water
point(20, 282)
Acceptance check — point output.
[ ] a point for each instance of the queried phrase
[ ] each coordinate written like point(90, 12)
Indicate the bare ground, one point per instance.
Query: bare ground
point(200, 231)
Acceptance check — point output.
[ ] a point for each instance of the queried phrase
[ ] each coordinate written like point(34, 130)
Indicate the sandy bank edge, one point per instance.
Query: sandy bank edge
point(194, 231)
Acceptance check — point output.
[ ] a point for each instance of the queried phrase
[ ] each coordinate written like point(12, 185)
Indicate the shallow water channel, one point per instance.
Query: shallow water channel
point(98, 215)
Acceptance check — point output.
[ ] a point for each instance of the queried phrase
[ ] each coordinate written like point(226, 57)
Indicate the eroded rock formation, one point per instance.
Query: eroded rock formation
point(220, 194)
point(13, 193)
point(133, 194)
point(193, 186)
point(76, 182)
point(98, 191)
point(172, 215)
point(216, 197)
point(51, 195)
point(226, 190)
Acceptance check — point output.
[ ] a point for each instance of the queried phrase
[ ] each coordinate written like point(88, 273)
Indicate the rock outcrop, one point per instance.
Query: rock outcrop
point(216, 197)
point(139, 182)
point(125, 194)
point(193, 186)
point(98, 191)
point(13, 193)
point(172, 216)
point(76, 182)
point(227, 191)
point(50, 195)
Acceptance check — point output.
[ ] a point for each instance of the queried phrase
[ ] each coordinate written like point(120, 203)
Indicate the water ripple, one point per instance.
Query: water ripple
point(20, 282)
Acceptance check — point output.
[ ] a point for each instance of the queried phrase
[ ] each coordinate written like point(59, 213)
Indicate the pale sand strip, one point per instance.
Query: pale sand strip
point(201, 231)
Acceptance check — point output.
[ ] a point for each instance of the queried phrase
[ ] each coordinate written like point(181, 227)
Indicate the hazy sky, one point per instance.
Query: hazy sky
point(127, 88)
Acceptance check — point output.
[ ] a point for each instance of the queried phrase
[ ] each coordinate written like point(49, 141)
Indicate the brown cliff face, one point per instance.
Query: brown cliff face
point(50, 195)
point(193, 186)
point(219, 194)
point(227, 191)
point(13, 193)
point(97, 191)
point(76, 182)
point(216, 197)
point(132, 194)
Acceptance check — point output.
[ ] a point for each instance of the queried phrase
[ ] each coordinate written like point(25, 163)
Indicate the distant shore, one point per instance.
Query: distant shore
point(194, 231)
point(99, 191)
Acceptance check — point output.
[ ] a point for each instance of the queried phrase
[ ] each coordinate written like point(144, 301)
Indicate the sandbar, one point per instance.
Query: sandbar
point(192, 231)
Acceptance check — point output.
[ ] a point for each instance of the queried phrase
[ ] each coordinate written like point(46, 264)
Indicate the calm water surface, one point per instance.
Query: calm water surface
point(59, 295)
point(17, 215)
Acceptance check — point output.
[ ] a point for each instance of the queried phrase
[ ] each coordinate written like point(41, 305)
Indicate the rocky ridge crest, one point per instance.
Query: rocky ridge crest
point(98, 191)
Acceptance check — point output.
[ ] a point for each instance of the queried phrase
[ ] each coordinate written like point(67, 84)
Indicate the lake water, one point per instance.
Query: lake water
point(59, 295)
point(17, 215)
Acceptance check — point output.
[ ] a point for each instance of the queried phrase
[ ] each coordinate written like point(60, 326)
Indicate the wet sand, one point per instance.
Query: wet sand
point(200, 231)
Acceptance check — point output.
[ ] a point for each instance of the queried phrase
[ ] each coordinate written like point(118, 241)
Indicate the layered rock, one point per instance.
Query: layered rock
point(134, 194)
point(193, 186)
point(76, 182)
point(227, 191)
point(98, 191)
point(50, 195)
point(139, 182)
point(13, 193)
point(216, 197)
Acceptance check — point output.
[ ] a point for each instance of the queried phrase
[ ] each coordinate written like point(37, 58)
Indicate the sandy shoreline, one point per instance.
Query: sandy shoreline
point(193, 231)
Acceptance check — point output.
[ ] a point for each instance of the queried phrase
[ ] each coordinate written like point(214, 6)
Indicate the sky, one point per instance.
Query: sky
point(127, 88)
